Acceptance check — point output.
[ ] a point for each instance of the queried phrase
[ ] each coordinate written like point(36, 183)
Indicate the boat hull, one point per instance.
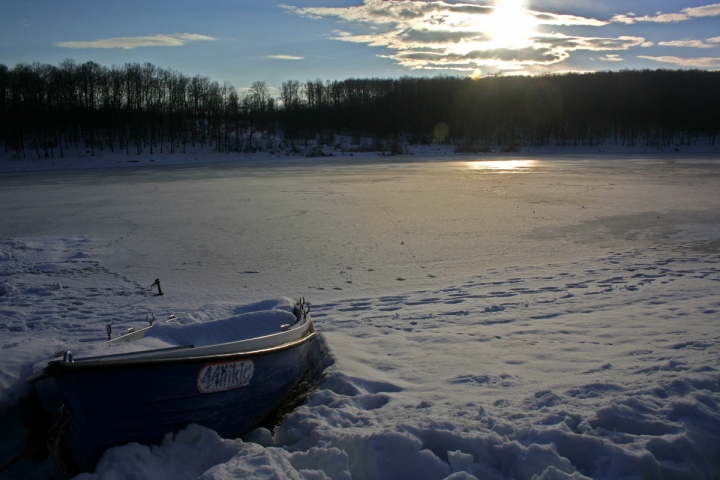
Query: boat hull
point(141, 402)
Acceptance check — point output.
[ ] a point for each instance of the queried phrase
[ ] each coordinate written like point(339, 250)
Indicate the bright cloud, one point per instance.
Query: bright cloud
point(629, 19)
point(458, 36)
point(686, 62)
point(160, 40)
point(685, 14)
point(686, 42)
point(284, 57)
point(611, 57)
point(706, 11)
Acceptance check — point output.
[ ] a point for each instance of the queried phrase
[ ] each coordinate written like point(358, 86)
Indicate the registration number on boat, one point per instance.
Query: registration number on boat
point(216, 377)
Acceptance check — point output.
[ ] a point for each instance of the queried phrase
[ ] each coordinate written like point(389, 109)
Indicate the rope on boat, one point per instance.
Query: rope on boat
point(53, 444)
point(51, 437)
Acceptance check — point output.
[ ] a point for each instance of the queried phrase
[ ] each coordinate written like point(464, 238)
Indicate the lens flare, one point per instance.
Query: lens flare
point(441, 131)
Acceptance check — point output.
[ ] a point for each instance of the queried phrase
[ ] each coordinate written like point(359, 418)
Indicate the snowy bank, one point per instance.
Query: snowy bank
point(606, 368)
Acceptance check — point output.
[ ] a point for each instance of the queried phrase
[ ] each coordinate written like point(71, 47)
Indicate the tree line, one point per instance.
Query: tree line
point(46, 110)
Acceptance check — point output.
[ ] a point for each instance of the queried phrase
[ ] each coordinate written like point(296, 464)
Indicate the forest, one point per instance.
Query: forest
point(46, 110)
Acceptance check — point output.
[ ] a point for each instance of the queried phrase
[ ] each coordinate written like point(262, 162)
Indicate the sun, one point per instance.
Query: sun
point(510, 25)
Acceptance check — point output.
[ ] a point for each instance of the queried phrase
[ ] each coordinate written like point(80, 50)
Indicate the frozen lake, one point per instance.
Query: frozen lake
point(493, 317)
point(313, 229)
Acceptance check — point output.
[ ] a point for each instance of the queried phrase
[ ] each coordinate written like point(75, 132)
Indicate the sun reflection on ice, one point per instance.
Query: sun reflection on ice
point(504, 165)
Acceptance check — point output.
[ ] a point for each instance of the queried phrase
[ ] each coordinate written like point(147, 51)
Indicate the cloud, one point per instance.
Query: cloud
point(284, 57)
point(684, 14)
point(565, 42)
point(554, 19)
point(686, 62)
point(499, 57)
point(433, 12)
point(612, 57)
point(273, 91)
point(160, 40)
point(544, 50)
point(382, 12)
point(460, 36)
point(706, 11)
point(686, 42)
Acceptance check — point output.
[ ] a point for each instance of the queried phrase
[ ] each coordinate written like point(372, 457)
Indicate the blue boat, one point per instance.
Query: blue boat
point(227, 375)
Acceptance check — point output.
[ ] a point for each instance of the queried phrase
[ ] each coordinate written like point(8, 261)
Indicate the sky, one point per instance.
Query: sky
point(241, 41)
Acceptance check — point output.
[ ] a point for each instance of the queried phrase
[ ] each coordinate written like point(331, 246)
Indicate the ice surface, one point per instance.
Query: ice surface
point(558, 320)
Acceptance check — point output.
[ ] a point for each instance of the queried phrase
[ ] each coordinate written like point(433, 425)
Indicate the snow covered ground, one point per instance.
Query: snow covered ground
point(488, 316)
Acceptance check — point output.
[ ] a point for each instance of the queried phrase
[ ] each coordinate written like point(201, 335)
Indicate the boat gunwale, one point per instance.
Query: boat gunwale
point(60, 368)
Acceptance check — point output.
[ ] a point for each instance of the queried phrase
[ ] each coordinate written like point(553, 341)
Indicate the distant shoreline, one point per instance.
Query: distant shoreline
point(80, 159)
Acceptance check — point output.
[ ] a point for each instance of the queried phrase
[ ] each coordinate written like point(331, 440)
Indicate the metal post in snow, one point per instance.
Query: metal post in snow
point(157, 282)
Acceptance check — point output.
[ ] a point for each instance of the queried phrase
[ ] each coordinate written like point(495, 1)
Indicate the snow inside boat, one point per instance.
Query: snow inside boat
point(226, 374)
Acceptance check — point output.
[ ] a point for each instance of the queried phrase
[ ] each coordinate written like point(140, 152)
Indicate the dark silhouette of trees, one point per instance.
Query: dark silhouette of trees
point(45, 110)
point(658, 108)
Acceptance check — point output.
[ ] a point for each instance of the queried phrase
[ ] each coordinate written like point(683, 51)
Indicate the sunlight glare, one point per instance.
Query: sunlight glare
point(503, 165)
point(510, 26)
